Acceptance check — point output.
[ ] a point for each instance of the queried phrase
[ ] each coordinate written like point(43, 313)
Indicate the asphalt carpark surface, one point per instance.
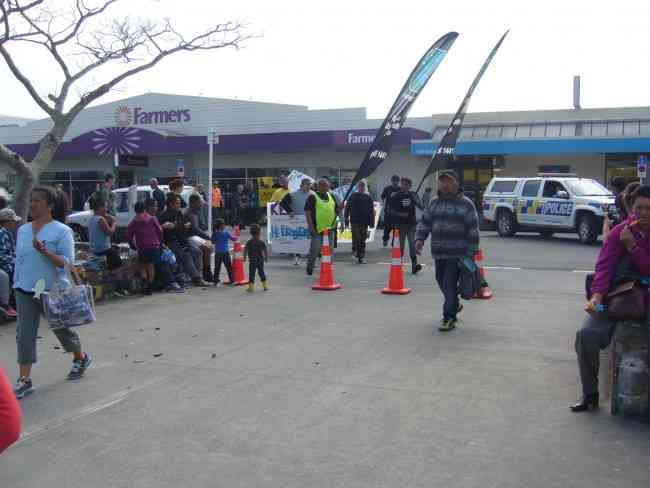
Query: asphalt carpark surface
point(348, 388)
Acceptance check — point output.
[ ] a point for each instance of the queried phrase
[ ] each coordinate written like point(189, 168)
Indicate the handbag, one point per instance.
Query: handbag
point(469, 279)
point(72, 306)
point(626, 302)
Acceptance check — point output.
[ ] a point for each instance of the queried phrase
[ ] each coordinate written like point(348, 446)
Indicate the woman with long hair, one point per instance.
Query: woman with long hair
point(43, 248)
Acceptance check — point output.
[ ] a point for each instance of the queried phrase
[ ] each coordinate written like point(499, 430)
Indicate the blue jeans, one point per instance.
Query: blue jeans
point(447, 274)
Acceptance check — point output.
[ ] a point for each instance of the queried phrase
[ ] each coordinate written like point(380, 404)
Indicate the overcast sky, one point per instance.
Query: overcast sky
point(358, 53)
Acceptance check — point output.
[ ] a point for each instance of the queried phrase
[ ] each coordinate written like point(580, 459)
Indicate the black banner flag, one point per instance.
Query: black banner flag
point(443, 156)
point(383, 142)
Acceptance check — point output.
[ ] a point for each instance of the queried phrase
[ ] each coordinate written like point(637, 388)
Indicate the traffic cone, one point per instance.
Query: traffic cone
point(326, 281)
point(396, 277)
point(238, 263)
point(485, 293)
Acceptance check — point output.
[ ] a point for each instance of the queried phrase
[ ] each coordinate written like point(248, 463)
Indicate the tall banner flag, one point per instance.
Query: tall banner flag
point(381, 146)
point(443, 156)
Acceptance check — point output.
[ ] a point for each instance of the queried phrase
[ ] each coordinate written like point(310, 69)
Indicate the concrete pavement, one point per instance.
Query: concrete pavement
point(349, 388)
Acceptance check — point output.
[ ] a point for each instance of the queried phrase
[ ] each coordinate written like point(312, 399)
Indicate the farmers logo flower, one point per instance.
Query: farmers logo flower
point(123, 116)
point(120, 140)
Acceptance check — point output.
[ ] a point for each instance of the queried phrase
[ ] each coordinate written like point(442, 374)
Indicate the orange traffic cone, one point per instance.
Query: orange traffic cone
point(396, 277)
point(326, 281)
point(238, 263)
point(485, 293)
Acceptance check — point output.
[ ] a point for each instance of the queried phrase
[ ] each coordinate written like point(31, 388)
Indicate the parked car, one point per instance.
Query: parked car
point(123, 209)
point(547, 204)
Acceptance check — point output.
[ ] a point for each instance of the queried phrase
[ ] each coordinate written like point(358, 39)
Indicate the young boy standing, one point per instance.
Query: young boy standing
point(257, 253)
point(220, 239)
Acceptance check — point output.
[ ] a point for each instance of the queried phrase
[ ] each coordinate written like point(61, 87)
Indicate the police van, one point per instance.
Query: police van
point(548, 204)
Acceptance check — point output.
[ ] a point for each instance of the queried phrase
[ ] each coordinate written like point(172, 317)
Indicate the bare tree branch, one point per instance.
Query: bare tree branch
point(18, 74)
point(83, 32)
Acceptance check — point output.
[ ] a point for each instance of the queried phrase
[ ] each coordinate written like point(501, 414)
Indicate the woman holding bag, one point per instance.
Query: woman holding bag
point(628, 242)
point(43, 248)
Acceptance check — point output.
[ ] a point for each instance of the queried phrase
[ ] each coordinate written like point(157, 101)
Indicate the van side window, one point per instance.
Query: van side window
point(507, 186)
point(552, 187)
point(531, 188)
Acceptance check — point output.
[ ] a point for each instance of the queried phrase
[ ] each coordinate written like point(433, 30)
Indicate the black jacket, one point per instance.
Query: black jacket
point(360, 210)
point(403, 203)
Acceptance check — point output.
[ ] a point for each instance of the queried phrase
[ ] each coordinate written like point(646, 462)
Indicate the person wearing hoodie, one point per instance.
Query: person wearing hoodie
point(144, 234)
point(452, 222)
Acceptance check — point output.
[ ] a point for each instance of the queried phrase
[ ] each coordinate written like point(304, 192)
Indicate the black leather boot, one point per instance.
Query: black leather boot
point(586, 402)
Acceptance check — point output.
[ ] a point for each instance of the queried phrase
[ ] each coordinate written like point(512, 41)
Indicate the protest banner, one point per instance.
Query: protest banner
point(286, 234)
point(265, 189)
point(295, 177)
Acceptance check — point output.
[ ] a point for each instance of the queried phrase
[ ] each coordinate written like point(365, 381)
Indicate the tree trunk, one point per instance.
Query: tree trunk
point(22, 193)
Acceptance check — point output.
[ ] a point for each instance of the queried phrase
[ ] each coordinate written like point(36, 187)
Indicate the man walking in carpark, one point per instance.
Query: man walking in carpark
point(386, 195)
point(359, 215)
point(294, 204)
point(452, 222)
point(401, 209)
point(321, 210)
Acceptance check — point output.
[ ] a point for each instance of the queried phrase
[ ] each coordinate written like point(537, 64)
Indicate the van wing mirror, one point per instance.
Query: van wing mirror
point(562, 194)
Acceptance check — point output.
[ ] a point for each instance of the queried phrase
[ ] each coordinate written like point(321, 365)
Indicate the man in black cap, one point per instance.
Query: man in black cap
point(386, 195)
point(401, 209)
point(452, 221)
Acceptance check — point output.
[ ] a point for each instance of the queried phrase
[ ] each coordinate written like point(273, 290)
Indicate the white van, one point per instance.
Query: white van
point(123, 209)
point(548, 204)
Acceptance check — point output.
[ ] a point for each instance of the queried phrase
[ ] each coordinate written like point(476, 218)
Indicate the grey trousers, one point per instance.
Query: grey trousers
point(29, 318)
point(5, 288)
point(595, 334)
point(314, 250)
point(407, 233)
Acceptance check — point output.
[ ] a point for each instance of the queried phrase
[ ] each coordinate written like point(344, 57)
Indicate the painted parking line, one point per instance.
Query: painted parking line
point(506, 268)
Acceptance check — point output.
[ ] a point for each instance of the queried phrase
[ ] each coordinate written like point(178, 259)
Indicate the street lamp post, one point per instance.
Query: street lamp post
point(213, 139)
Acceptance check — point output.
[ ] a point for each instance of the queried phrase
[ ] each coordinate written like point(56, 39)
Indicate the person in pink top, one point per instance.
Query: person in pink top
point(10, 416)
point(144, 234)
point(629, 238)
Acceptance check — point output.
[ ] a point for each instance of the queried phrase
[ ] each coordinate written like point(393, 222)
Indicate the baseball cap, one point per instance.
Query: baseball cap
point(7, 214)
point(448, 173)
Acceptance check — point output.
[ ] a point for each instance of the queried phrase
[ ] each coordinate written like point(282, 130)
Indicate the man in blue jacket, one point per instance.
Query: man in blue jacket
point(452, 222)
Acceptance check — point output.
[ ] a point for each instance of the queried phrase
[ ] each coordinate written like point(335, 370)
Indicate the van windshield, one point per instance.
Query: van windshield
point(588, 188)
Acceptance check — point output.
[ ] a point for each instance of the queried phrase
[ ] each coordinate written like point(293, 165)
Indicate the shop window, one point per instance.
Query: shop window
point(644, 127)
point(599, 129)
point(494, 131)
point(465, 133)
point(480, 132)
point(631, 128)
point(553, 130)
point(523, 131)
point(614, 128)
point(568, 130)
point(509, 132)
point(538, 130)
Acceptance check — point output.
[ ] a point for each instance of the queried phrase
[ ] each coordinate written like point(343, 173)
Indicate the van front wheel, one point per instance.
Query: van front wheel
point(587, 229)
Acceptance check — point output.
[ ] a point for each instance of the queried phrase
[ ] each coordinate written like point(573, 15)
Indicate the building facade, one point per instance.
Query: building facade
point(165, 136)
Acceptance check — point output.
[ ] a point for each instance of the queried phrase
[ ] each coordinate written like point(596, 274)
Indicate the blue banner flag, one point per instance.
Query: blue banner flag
point(383, 142)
